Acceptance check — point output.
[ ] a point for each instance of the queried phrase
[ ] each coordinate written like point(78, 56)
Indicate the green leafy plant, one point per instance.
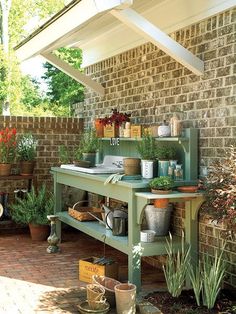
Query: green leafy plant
point(212, 275)
point(64, 157)
point(89, 143)
point(165, 152)
point(162, 183)
point(196, 281)
point(146, 147)
point(176, 266)
point(220, 188)
point(26, 147)
point(78, 155)
point(34, 208)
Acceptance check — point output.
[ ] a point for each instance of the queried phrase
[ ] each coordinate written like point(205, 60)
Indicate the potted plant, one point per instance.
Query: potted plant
point(7, 150)
point(164, 154)
point(89, 144)
point(161, 185)
point(158, 215)
point(220, 189)
point(64, 157)
point(26, 153)
point(146, 148)
point(114, 125)
point(33, 210)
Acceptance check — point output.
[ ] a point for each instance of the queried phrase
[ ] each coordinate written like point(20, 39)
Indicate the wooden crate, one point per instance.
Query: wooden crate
point(111, 131)
point(136, 131)
point(87, 269)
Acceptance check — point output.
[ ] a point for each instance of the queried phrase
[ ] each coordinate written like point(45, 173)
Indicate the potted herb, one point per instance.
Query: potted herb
point(33, 210)
point(146, 148)
point(89, 144)
point(161, 185)
point(64, 157)
point(164, 154)
point(26, 153)
point(7, 150)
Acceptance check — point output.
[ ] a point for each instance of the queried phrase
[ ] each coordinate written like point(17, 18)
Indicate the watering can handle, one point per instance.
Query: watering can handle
point(106, 221)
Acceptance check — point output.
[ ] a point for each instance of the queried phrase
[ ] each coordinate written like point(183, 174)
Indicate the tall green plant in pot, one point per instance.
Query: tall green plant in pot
point(146, 148)
point(164, 153)
point(89, 144)
point(26, 153)
point(33, 210)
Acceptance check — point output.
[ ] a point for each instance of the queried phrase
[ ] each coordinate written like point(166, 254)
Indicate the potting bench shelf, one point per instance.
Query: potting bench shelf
point(134, 192)
point(186, 148)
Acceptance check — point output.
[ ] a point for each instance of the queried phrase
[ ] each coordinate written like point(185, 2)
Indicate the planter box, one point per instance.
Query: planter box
point(87, 269)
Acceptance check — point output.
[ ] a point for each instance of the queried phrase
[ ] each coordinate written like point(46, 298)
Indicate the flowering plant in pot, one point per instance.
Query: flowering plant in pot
point(33, 210)
point(7, 149)
point(116, 118)
point(26, 153)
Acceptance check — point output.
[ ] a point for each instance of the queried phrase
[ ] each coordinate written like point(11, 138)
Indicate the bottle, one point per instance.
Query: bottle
point(178, 172)
point(164, 129)
point(175, 125)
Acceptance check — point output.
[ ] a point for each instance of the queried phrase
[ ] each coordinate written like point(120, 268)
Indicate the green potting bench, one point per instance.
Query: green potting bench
point(135, 193)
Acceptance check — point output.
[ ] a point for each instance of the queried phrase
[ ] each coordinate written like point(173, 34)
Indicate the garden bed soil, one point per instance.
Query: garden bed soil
point(186, 304)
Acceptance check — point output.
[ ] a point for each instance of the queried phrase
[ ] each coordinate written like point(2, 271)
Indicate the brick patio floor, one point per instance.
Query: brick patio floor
point(33, 281)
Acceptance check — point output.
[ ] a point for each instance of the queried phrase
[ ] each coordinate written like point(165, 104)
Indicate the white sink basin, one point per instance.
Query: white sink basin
point(111, 164)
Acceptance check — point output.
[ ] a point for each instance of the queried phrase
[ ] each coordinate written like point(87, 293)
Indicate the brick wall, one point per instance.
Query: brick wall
point(151, 85)
point(50, 132)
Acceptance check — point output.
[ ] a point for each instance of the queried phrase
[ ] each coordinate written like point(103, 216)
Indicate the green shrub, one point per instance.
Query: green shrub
point(34, 208)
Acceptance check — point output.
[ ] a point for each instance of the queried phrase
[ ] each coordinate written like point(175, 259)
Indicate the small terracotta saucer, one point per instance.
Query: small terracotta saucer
point(188, 189)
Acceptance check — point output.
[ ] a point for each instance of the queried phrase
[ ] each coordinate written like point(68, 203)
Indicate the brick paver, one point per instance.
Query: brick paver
point(33, 281)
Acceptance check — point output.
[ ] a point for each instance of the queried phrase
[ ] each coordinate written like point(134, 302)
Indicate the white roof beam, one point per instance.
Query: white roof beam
point(66, 24)
point(74, 73)
point(153, 34)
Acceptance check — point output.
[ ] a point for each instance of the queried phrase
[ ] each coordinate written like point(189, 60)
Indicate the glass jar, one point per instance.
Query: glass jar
point(178, 173)
point(175, 125)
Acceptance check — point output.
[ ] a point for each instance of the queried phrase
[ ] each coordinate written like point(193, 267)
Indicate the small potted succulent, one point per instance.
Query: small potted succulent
point(26, 153)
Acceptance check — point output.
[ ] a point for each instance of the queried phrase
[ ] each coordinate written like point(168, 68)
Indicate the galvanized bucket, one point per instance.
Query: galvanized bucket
point(158, 219)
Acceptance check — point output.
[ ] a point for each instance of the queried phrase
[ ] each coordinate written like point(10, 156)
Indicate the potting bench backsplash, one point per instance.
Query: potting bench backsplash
point(186, 148)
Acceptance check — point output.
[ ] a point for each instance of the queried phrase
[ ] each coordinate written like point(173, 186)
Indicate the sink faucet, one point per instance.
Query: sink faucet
point(118, 164)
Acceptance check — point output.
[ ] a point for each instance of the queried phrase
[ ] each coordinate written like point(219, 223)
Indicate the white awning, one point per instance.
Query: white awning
point(104, 28)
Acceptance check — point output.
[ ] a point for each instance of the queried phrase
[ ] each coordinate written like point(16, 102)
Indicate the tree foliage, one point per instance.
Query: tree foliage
point(24, 93)
point(59, 82)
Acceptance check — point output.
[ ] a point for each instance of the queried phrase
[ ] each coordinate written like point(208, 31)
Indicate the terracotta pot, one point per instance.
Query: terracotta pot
point(132, 166)
point(161, 203)
point(39, 232)
point(156, 191)
point(99, 128)
point(5, 169)
point(26, 167)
